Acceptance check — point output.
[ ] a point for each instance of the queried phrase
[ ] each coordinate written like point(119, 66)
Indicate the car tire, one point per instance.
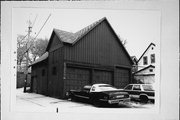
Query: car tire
point(96, 103)
point(67, 95)
point(144, 99)
point(73, 98)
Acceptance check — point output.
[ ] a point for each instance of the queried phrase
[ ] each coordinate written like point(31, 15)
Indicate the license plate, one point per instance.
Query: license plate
point(115, 101)
point(120, 96)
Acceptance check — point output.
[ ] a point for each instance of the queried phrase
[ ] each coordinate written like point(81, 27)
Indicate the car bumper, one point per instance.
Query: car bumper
point(119, 101)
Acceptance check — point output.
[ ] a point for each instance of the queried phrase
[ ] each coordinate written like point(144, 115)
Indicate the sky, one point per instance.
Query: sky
point(138, 27)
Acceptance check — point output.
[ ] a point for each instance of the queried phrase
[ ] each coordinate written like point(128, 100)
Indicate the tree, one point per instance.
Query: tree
point(35, 48)
point(39, 48)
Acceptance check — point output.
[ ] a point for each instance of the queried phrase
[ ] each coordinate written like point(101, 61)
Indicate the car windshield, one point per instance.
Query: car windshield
point(148, 88)
point(106, 87)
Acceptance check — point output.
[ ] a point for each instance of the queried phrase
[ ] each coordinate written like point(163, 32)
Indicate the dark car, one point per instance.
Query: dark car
point(142, 92)
point(100, 94)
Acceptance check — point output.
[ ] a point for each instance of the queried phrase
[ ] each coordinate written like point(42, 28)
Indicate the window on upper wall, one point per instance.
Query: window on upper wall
point(150, 70)
point(145, 60)
point(152, 58)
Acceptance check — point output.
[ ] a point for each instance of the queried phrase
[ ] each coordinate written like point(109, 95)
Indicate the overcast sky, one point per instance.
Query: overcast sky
point(139, 27)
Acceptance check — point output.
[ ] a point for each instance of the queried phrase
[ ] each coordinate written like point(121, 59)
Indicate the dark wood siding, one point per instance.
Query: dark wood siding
point(122, 77)
point(102, 76)
point(100, 46)
point(76, 78)
point(55, 69)
point(39, 78)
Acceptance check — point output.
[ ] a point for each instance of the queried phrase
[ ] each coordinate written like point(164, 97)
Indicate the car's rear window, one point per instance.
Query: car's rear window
point(148, 87)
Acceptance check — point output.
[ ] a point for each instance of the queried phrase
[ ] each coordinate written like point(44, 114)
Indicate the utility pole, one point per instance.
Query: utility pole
point(27, 54)
point(28, 45)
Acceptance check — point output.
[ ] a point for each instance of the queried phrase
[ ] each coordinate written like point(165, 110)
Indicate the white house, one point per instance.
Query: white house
point(148, 57)
point(146, 66)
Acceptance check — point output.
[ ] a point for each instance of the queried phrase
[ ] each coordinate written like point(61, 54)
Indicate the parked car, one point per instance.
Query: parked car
point(142, 92)
point(100, 94)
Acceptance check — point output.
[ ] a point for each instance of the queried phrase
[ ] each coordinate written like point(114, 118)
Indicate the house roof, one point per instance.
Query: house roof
point(43, 57)
point(72, 38)
point(145, 68)
point(146, 50)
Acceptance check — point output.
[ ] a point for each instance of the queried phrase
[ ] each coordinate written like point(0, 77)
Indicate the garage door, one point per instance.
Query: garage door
point(122, 77)
point(101, 76)
point(76, 78)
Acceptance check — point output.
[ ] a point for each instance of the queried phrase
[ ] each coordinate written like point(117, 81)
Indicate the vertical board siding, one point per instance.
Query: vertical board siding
point(101, 76)
point(39, 84)
point(99, 46)
point(55, 82)
point(76, 78)
point(121, 77)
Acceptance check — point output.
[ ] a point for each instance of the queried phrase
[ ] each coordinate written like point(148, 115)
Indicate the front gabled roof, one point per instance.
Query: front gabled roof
point(146, 50)
point(152, 66)
point(72, 38)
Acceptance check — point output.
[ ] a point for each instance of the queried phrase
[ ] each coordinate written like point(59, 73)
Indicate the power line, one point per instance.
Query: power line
point(43, 26)
point(23, 38)
point(37, 34)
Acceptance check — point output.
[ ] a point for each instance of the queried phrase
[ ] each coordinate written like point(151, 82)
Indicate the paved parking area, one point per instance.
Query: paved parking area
point(36, 102)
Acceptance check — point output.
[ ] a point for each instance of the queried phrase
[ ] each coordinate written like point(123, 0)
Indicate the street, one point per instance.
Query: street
point(31, 102)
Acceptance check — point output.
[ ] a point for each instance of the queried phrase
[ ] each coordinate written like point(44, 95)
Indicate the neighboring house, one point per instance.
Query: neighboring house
point(145, 75)
point(72, 60)
point(146, 66)
point(21, 76)
point(148, 57)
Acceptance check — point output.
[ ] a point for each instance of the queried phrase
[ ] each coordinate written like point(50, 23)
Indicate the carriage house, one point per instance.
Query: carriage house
point(72, 60)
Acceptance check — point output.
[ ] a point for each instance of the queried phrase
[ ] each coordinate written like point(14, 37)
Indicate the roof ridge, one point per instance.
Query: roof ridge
point(62, 30)
point(71, 37)
point(79, 34)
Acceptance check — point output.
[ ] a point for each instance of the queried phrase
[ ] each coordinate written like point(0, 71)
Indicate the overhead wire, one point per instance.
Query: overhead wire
point(38, 32)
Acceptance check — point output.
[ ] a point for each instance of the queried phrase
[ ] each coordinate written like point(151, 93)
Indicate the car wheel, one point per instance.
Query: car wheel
point(67, 95)
point(96, 103)
point(143, 99)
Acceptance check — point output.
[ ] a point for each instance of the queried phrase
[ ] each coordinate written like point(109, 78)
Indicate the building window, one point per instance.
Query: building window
point(54, 71)
point(152, 58)
point(145, 60)
point(43, 72)
point(150, 70)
